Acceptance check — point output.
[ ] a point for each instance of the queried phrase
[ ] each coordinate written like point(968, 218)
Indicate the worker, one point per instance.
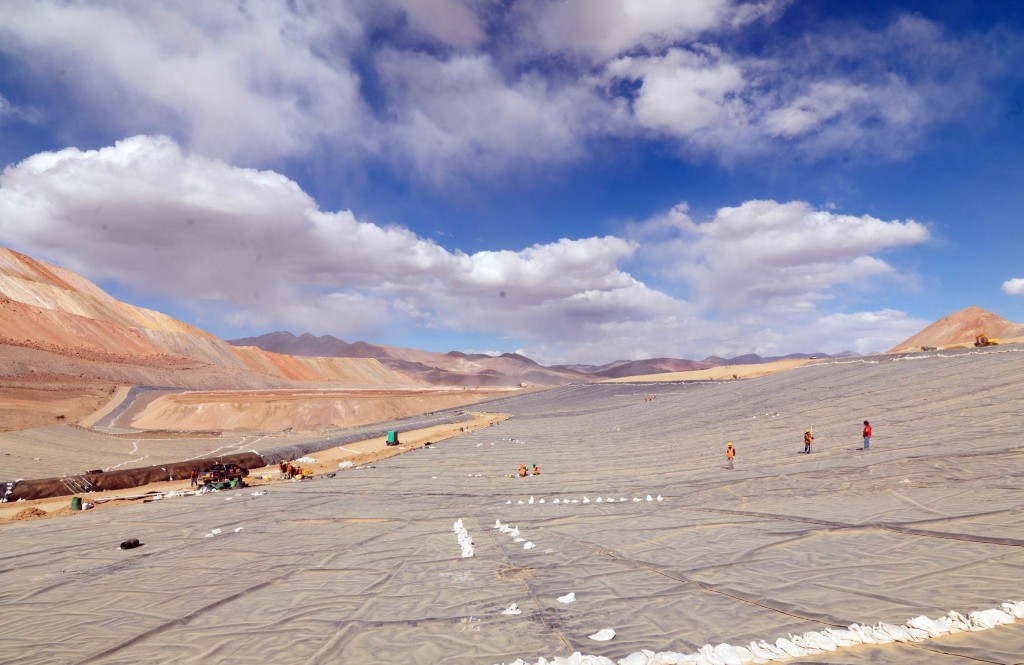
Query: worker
point(808, 440)
point(193, 477)
point(536, 470)
point(522, 471)
point(730, 454)
point(867, 435)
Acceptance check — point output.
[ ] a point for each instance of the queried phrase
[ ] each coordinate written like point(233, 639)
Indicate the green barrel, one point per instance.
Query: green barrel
point(76, 503)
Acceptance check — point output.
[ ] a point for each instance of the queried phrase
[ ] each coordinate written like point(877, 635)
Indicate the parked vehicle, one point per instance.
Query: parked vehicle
point(222, 473)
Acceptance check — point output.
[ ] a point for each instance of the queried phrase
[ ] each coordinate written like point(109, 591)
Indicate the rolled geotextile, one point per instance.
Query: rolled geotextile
point(124, 478)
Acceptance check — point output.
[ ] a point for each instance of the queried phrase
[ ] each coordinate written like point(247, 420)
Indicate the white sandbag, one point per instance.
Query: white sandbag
point(790, 648)
point(512, 610)
point(762, 650)
point(645, 657)
point(567, 598)
point(926, 625)
point(603, 635)
point(819, 641)
point(863, 633)
point(1014, 608)
point(986, 619)
point(957, 622)
point(892, 632)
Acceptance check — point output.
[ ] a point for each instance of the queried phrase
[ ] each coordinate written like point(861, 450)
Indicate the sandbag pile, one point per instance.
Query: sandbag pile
point(464, 540)
point(917, 629)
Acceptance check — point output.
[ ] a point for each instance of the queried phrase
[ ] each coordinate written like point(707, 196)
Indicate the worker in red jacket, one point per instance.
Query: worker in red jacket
point(867, 435)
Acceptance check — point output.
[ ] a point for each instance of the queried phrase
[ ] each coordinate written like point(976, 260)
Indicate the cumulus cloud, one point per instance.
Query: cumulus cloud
point(602, 29)
point(191, 228)
point(254, 81)
point(450, 85)
point(783, 257)
point(1014, 287)
point(464, 113)
point(682, 92)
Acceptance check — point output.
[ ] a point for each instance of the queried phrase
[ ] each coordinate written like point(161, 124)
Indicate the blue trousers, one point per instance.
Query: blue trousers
point(867, 442)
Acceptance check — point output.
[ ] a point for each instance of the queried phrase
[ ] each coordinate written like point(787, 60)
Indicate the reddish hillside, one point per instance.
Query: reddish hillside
point(959, 329)
point(49, 309)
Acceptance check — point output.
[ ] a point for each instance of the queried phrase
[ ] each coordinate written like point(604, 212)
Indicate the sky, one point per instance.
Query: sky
point(580, 181)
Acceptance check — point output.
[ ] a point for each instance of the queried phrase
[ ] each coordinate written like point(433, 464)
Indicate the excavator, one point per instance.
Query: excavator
point(985, 340)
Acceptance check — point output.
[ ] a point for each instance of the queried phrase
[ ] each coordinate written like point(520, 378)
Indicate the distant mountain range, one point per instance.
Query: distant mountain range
point(478, 369)
point(55, 323)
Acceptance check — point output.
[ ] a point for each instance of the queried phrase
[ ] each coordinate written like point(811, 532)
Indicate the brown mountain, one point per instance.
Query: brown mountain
point(449, 369)
point(959, 329)
point(72, 328)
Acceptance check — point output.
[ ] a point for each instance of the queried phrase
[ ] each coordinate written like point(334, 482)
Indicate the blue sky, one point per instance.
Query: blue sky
point(576, 180)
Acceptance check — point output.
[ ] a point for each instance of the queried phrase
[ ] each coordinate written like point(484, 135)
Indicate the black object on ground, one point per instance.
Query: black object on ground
point(130, 544)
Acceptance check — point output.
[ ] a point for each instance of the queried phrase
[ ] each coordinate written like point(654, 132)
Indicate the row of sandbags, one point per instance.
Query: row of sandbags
point(917, 629)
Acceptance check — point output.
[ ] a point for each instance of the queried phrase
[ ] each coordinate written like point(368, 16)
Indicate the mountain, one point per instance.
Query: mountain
point(959, 329)
point(72, 328)
point(440, 369)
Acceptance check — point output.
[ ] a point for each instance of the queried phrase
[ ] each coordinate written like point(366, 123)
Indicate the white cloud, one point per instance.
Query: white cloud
point(683, 91)
point(461, 87)
point(1014, 287)
point(463, 112)
point(862, 332)
point(256, 252)
point(771, 256)
point(602, 29)
point(253, 81)
point(253, 244)
point(452, 22)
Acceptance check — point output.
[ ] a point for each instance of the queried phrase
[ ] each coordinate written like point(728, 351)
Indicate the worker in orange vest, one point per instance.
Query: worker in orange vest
point(536, 470)
point(808, 440)
point(730, 454)
point(522, 471)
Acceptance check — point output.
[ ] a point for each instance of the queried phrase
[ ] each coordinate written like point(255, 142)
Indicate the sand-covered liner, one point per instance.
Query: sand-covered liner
point(365, 567)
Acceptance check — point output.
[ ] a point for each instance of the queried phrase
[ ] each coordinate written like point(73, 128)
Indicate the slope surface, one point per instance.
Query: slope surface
point(365, 567)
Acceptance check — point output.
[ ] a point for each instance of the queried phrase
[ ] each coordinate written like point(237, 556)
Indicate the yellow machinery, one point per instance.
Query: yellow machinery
point(985, 340)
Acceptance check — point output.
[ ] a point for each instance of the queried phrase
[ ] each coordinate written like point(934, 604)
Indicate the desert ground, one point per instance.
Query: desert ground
point(366, 566)
point(721, 373)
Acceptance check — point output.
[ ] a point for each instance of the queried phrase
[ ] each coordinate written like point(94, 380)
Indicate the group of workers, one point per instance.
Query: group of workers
point(730, 451)
point(524, 473)
point(289, 470)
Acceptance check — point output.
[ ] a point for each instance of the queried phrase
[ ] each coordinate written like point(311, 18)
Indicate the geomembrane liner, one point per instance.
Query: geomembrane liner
point(366, 567)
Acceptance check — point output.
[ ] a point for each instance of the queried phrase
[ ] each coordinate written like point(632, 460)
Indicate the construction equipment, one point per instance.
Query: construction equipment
point(985, 340)
point(223, 474)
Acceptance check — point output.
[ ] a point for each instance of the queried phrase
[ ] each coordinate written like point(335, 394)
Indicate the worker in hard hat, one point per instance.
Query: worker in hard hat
point(536, 470)
point(808, 440)
point(522, 471)
point(730, 455)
